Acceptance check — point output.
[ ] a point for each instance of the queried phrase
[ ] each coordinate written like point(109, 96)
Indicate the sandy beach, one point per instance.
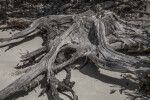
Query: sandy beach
point(91, 83)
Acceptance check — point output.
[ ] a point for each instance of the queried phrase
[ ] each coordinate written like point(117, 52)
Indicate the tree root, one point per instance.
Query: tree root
point(96, 36)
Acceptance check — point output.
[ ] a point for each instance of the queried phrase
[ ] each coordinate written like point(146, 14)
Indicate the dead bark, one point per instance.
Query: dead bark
point(96, 36)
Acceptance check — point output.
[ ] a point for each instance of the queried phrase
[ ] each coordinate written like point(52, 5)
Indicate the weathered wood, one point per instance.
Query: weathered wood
point(96, 36)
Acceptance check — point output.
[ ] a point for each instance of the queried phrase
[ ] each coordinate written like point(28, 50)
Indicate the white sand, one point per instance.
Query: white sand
point(90, 84)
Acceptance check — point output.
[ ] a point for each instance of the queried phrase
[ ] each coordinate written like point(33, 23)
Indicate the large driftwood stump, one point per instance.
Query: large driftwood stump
point(96, 36)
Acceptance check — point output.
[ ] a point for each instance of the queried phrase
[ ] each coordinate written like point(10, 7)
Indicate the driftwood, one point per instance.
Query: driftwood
point(96, 36)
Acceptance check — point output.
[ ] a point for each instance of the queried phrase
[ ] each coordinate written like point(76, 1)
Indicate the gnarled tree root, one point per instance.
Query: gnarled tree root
point(97, 36)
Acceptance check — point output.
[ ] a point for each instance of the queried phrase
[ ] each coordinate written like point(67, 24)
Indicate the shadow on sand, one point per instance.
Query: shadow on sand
point(13, 44)
point(93, 72)
point(122, 83)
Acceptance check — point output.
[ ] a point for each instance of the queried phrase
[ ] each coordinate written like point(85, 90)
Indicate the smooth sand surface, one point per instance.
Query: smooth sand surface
point(91, 84)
